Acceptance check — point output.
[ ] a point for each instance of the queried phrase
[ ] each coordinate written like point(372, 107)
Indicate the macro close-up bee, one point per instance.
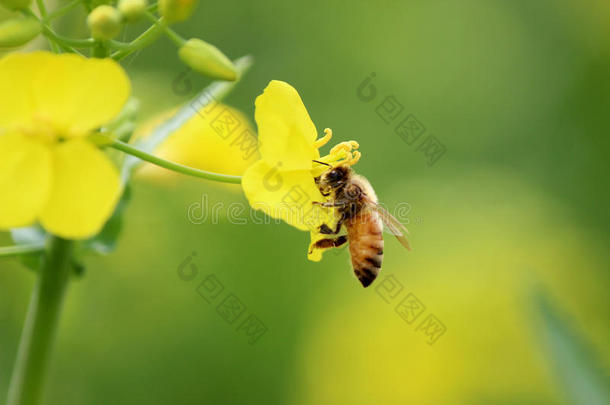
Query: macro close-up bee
point(357, 208)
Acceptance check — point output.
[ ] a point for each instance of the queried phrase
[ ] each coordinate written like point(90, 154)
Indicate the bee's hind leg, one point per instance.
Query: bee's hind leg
point(328, 243)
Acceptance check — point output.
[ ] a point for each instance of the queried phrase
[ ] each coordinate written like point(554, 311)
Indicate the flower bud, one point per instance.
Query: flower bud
point(132, 9)
point(15, 4)
point(207, 59)
point(18, 31)
point(104, 22)
point(176, 10)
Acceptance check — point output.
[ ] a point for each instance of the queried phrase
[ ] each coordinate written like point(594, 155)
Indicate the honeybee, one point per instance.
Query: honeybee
point(358, 209)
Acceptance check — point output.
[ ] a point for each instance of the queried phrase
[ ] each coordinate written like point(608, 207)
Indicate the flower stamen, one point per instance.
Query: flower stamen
point(353, 159)
point(341, 154)
point(344, 146)
point(328, 133)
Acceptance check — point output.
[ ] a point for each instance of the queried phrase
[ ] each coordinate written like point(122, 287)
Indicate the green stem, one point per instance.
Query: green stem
point(62, 10)
point(18, 250)
point(171, 34)
point(40, 324)
point(152, 8)
point(42, 8)
point(104, 140)
point(118, 44)
point(99, 50)
point(69, 49)
point(79, 43)
point(142, 41)
point(43, 13)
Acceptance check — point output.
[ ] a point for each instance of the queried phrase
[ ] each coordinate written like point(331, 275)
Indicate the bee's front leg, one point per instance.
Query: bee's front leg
point(329, 204)
point(325, 229)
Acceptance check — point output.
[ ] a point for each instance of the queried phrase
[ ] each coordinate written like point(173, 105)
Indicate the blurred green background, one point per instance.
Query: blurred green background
point(509, 228)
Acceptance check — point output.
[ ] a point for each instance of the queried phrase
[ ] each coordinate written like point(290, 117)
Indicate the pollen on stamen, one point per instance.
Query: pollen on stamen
point(328, 133)
point(341, 154)
point(345, 148)
point(353, 159)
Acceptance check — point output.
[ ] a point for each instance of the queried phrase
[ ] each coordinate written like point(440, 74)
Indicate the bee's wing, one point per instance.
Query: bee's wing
point(392, 224)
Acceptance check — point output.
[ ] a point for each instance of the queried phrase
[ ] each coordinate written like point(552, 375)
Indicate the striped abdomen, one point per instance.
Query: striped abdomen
point(364, 232)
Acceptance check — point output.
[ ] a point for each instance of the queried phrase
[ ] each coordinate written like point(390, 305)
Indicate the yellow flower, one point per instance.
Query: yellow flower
point(49, 171)
point(205, 142)
point(282, 184)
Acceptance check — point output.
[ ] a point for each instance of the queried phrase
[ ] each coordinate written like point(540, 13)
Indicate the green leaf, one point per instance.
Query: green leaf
point(105, 241)
point(573, 358)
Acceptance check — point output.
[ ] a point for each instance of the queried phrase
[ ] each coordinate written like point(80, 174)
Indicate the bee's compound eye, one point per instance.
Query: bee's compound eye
point(334, 175)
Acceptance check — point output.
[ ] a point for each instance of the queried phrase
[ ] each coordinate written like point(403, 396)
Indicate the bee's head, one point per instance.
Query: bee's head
point(334, 177)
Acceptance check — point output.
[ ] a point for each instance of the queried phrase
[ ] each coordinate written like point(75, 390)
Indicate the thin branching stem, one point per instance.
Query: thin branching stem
point(18, 250)
point(62, 10)
point(104, 140)
point(171, 34)
point(145, 39)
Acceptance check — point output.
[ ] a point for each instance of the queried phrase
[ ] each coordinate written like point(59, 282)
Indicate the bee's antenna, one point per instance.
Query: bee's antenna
point(322, 163)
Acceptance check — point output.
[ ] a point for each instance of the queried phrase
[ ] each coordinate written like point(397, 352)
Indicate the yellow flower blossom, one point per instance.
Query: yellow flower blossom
point(49, 171)
point(282, 184)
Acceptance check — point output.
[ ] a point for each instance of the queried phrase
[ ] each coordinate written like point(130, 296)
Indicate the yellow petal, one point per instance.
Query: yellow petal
point(85, 190)
point(286, 133)
point(25, 167)
point(315, 255)
point(70, 93)
point(285, 195)
point(17, 89)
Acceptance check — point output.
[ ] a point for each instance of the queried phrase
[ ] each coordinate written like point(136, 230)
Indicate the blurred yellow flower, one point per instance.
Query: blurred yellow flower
point(480, 286)
point(48, 170)
point(218, 138)
point(282, 184)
